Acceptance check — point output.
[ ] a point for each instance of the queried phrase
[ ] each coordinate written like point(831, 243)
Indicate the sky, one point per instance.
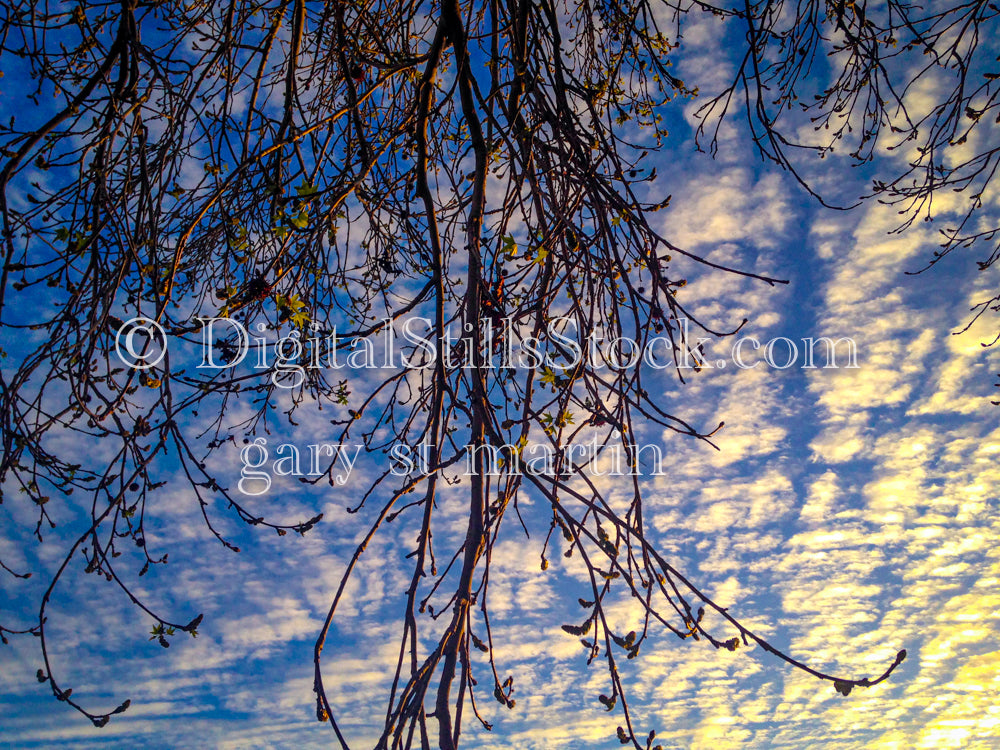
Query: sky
point(848, 513)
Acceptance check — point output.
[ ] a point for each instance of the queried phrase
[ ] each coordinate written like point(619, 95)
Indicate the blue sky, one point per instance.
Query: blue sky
point(847, 514)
